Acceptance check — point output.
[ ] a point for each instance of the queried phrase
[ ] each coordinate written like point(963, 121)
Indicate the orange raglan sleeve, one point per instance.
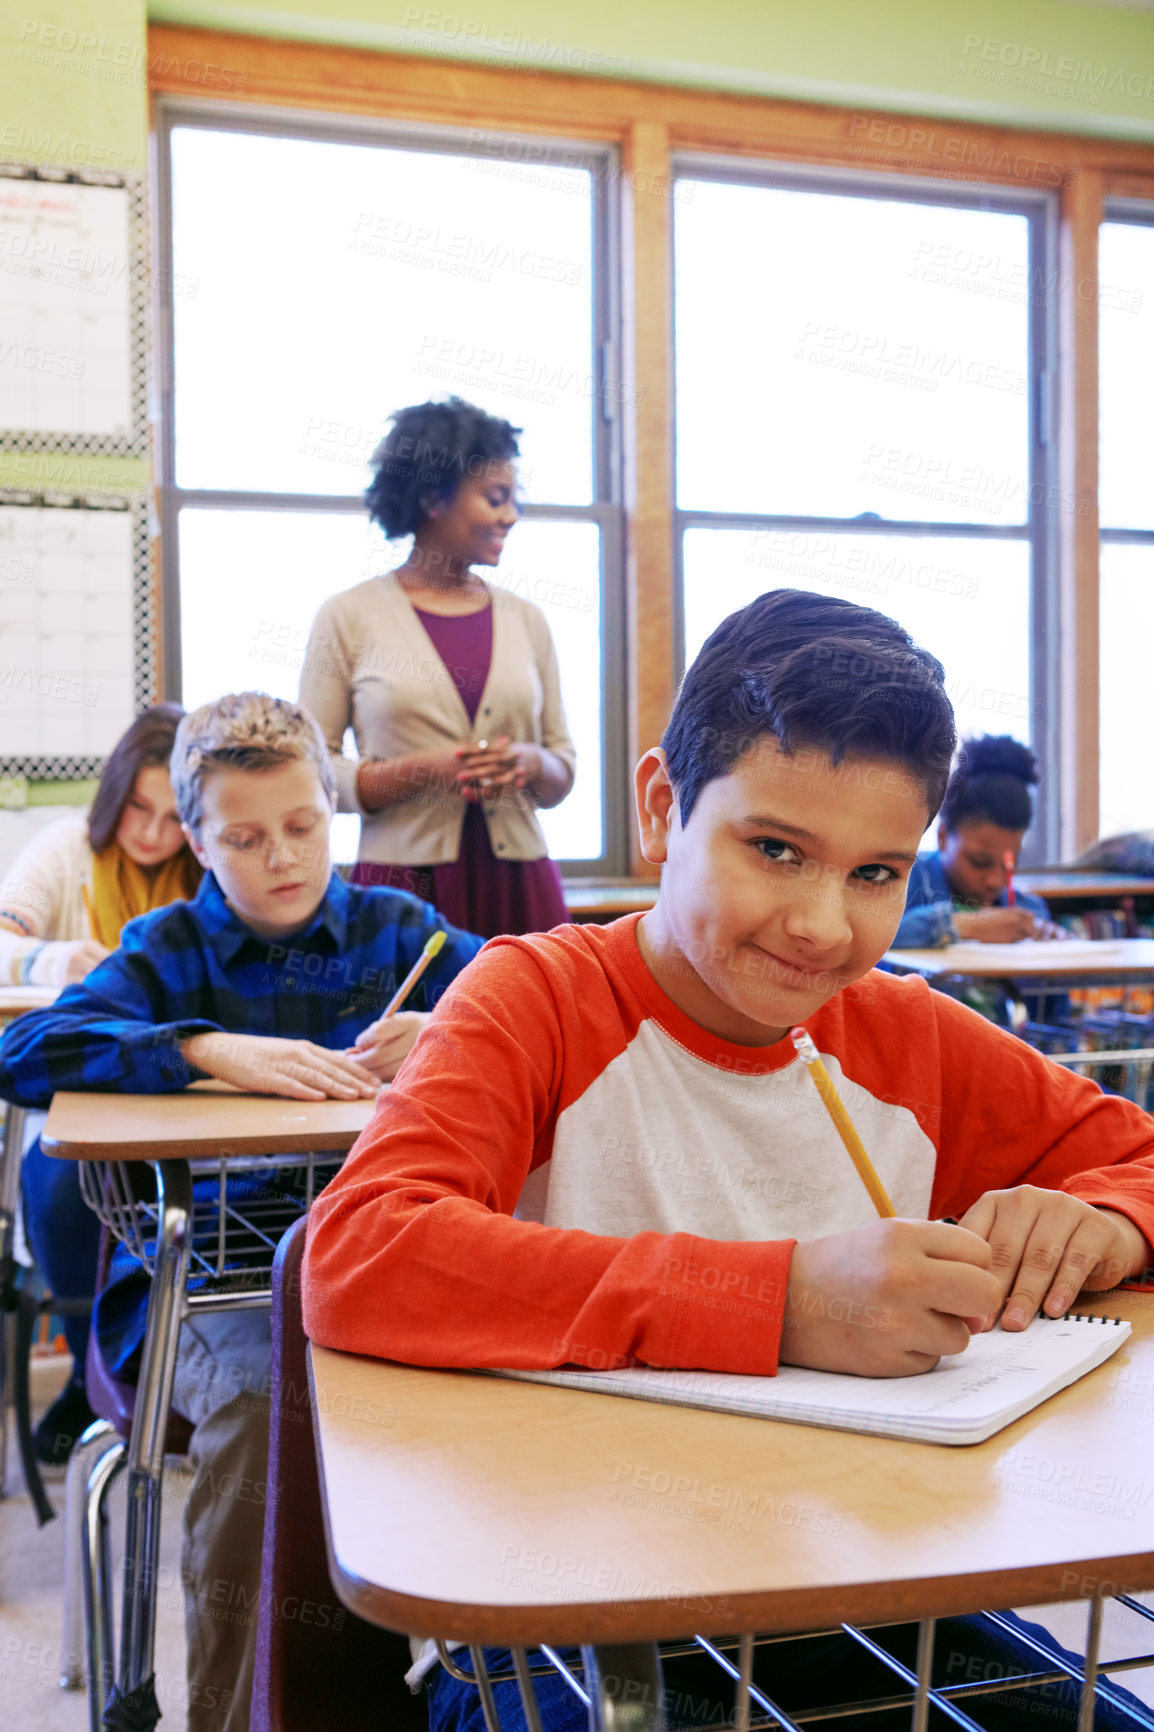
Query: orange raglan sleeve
point(1010, 1116)
point(413, 1251)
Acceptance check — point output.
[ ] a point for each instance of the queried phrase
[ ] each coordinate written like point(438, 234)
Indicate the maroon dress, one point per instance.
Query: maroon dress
point(476, 891)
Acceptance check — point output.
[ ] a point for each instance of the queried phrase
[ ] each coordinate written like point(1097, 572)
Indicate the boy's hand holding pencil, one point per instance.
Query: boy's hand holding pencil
point(889, 1299)
point(384, 1046)
point(386, 1043)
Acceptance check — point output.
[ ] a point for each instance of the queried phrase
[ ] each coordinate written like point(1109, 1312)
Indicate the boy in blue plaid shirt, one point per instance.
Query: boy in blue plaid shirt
point(274, 979)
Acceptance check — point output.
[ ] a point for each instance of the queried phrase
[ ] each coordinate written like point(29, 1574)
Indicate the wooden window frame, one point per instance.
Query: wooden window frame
point(649, 123)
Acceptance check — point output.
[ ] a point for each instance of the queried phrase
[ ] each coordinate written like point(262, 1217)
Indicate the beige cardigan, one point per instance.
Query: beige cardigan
point(371, 665)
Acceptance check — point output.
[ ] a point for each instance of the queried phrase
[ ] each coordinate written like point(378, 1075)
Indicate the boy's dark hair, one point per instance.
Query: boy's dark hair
point(812, 671)
point(426, 454)
point(146, 743)
point(992, 781)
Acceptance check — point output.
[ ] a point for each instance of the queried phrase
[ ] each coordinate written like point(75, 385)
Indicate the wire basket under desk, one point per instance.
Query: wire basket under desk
point(242, 1208)
point(1125, 1071)
point(737, 1700)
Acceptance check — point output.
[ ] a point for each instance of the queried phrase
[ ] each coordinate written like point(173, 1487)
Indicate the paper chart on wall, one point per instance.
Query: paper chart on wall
point(66, 631)
point(66, 283)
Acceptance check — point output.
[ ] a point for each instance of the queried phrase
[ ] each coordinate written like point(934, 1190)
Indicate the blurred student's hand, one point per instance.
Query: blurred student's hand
point(1004, 925)
point(1047, 1246)
point(887, 1300)
point(383, 1047)
point(73, 961)
point(265, 1065)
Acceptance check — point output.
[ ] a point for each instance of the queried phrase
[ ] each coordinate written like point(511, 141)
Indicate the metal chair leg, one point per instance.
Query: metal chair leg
point(98, 1580)
point(72, 1637)
point(133, 1701)
point(626, 1689)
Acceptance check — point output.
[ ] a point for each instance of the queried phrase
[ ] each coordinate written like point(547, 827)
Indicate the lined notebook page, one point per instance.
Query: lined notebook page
point(967, 1397)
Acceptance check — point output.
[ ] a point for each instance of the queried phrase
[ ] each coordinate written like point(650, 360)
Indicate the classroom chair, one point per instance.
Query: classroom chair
point(317, 1664)
point(92, 1470)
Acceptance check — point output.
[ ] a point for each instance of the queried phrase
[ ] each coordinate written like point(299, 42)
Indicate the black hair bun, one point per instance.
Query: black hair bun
point(997, 755)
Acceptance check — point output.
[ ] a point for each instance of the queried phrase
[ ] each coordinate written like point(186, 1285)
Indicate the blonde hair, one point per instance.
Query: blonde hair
point(243, 731)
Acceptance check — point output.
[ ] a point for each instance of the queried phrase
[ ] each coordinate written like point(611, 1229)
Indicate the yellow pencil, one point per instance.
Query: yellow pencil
point(855, 1148)
point(431, 948)
point(88, 911)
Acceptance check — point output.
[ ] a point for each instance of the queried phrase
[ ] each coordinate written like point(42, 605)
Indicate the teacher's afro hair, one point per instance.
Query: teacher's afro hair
point(426, 454)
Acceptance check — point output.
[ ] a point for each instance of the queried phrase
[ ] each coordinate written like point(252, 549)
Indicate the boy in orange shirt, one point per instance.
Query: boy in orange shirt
point(603, 1151)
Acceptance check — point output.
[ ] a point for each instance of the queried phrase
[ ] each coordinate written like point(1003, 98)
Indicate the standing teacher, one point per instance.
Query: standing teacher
point(450, 686)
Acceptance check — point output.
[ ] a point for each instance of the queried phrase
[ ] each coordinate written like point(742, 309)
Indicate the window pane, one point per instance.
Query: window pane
point(558, 565)
point(321, 286)
point(844, 355)
point(1126, 374)
point(268, 572)
point(967, 602)
point(1126, 633)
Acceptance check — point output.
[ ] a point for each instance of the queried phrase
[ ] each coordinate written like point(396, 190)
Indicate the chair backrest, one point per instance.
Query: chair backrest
point(114, 1398)
point(317, 1663)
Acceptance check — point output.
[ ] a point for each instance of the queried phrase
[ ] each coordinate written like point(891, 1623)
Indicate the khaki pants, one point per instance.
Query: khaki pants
point(222, 1386)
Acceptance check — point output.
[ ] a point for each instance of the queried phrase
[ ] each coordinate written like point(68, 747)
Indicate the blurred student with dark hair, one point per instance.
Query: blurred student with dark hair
point(961, 891)
point(449, 685)
point(126, 857)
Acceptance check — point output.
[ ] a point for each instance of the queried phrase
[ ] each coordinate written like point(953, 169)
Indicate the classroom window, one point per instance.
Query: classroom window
point(858, 413)
point(1126, 510)
point(319, 278)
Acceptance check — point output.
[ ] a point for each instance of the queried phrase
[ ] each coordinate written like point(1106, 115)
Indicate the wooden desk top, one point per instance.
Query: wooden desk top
point(1053, 959)
point(15, 1000)
point(207, 1119)
point(485, 1510)
point(608, 898)
point(1058, 885)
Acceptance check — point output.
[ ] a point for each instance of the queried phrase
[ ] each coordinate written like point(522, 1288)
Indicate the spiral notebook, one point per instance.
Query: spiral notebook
point(967, 1397)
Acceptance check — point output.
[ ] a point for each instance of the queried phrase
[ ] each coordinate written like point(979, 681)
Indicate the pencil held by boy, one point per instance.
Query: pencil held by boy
point(609, 1153)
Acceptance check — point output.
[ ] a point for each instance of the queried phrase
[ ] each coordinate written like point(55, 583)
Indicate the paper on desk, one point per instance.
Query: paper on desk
point(1036, 953)
point(967, 1397)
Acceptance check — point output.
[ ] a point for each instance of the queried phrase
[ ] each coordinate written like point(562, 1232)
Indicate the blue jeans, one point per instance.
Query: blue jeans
point(64, 1235)
point(810, 1672)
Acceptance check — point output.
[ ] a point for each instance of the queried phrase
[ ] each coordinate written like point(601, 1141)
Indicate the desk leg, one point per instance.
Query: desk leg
point(133, 1699)
point(626, 1691)
point(925, 1664)
point(1090, 1669)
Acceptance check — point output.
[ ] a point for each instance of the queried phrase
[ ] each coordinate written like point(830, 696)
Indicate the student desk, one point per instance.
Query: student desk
point(494, 1512)
point(209, 1129)
point(600, 899)
point(1051, 965)
point(1064, 885)
point(1036, 965)
point(14, 1001)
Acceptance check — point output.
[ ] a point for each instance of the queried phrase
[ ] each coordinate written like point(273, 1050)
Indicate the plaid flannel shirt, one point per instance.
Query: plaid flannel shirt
point(194, 967)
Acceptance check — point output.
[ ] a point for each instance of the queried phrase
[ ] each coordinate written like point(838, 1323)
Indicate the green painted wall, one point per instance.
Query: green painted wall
point(73, 94)
point(1047, 63)
point(73, 83)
